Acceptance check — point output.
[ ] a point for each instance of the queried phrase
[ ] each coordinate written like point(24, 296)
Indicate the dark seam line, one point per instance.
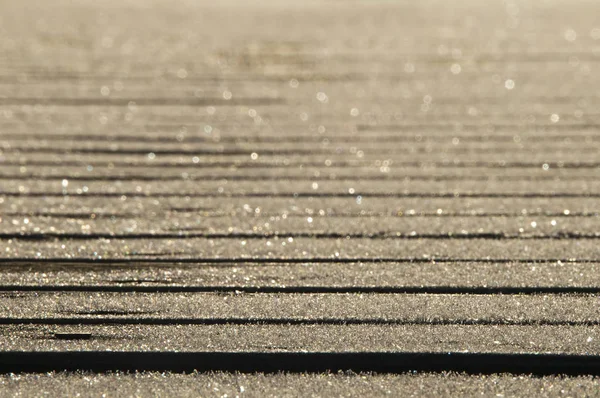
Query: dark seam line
point(158, 321)
point(263, 215)
point(399, 127)
point(136, 287)
point(333, 139)
point(355, 178)
point(311, 235)
point(306, 195)
point(280, 152)
point(339, 164)
point(456, 126)
point(275, 362)
point(266, 260)
point(140, 101)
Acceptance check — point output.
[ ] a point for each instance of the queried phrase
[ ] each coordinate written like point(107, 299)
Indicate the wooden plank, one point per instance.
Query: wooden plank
point(179, 226)
point(329, 249)
point(191, 186)
point(64, 384)
point(504, 339)
point(363, 188)
point(476, 277)
point(307, 308)
point(298, 206)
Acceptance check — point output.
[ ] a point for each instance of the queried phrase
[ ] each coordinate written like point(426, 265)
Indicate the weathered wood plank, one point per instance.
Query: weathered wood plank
point(268, 385)
point(305, 338)
point(337, 309)
point(307, 276)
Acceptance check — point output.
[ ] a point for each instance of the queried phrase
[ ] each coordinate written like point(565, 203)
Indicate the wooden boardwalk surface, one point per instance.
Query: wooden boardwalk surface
point(373, 186)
